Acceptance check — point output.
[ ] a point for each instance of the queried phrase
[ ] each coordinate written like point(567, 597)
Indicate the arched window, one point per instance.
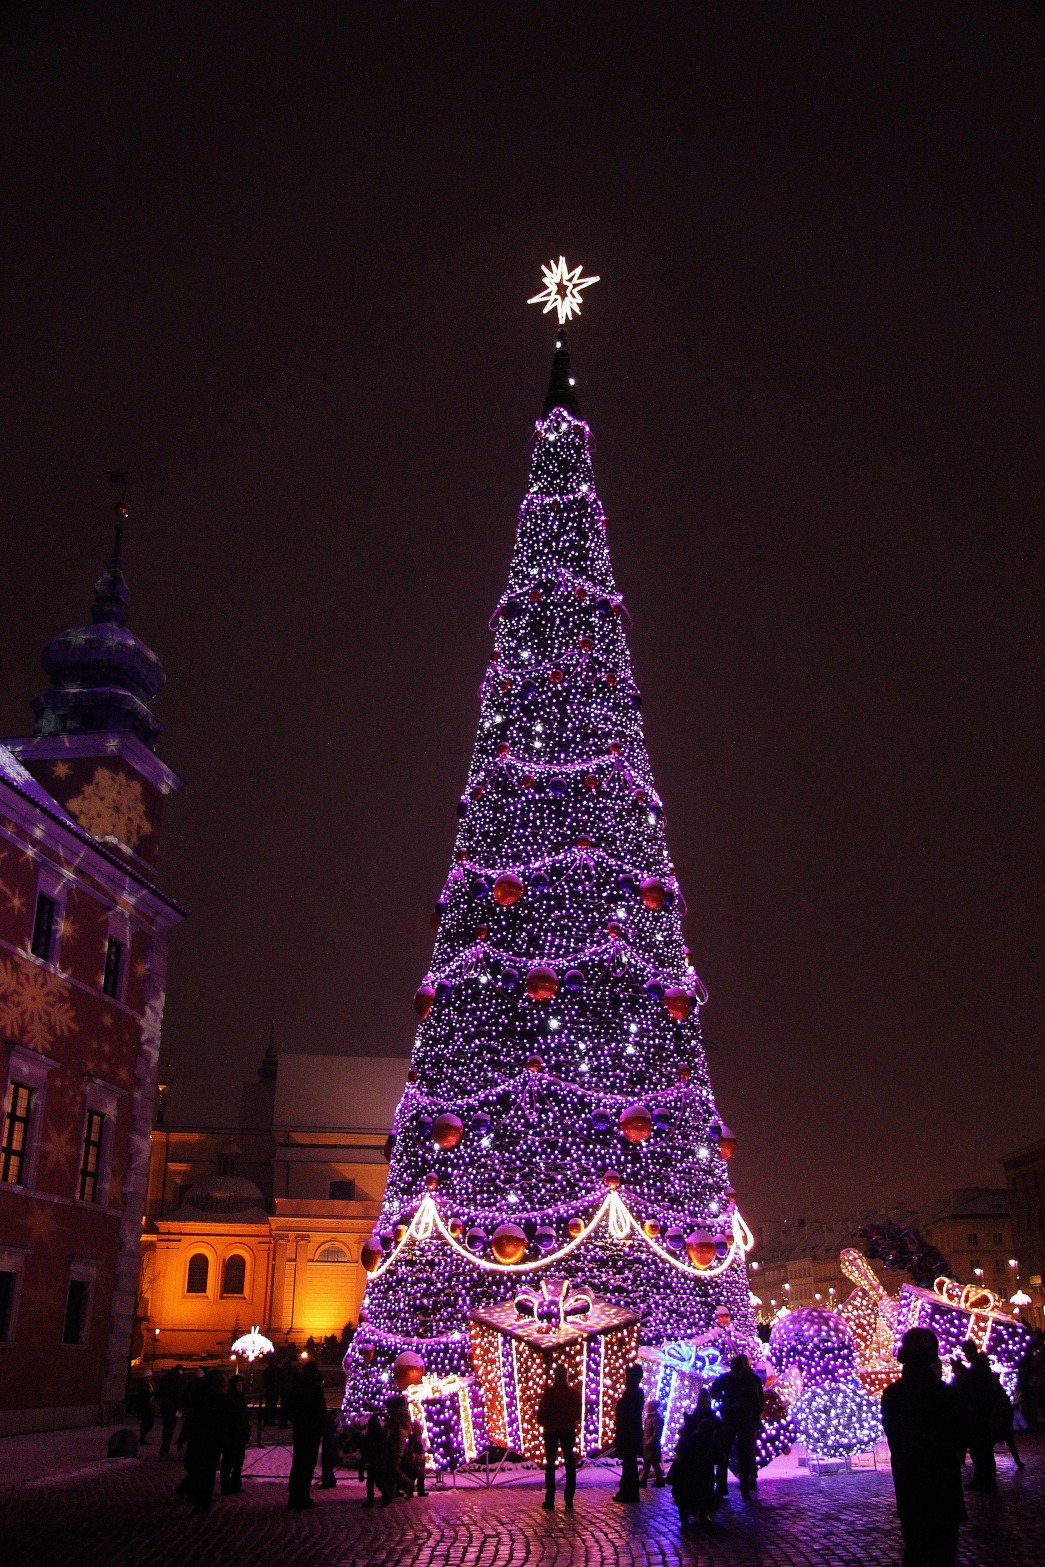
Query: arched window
point(332, 1252)
point(198, 1274)
point(234, 1275)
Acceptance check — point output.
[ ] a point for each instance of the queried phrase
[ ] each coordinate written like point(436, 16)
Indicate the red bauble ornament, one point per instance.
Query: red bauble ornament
point(535, 1064)
point(685, 1073)
point(456, 1228)
point(722, 1317)
point(611, 679)
point(368, 1354)
point(653, 893)
point(678, 1004)
point(584, 842)
point(614, 929)
point(508, 1243)
point(615, 747)
point(586, 644)
point(506, 686)
point(636, 1123)
point(575, 1227)
point(423, 999)
point(652, 1228)
point(371, 1254)
point(727, 1143)
point(507, 889)
point(555, 675)
point(527, 780)
point(411, 1075)
point(431, 1181)
point(591, 781)
point(407, 1370)
point(611, 1180)
point(399, 1233)
point(503, 749)
point(640, 796)
point(580, 593)
point(700, 1248)
point(541, 984)
point(535, 595)
point(447, 1130)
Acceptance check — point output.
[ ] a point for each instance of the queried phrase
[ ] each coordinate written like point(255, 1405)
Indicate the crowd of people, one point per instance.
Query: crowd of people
point(933, 1428)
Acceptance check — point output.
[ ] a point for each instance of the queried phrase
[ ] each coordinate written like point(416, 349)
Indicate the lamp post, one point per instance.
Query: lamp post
point(252, 1346)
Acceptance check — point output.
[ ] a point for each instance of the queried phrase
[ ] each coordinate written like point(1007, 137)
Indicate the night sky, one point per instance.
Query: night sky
point(274, 259)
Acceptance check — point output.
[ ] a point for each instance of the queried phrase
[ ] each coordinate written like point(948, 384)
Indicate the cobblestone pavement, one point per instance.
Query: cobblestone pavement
point(124, 1514)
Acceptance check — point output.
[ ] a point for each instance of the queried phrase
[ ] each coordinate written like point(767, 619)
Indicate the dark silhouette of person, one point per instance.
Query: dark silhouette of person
point(372, 1456)
point(652, 1432)
point(270, 1385)
point(741, 1398)
point(237, 1435)
point(204, 1433)
point(306, 1409)
point(979, 1392)
point(925, 1425)
point(289, 1372)
point(692, 1473)
point(330, 1450)
point(192, 1393)
point(416, 1456)
point(146, 1407)
point(170, 1396)
point(627, 1438)
point(559, 1417)
point(395, 1480)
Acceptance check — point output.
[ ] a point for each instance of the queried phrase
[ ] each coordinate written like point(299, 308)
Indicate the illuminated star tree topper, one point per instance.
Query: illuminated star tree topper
point(562, 290)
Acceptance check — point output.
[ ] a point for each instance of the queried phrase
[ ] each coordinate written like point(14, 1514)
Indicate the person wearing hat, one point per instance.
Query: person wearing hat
point(925, 1426)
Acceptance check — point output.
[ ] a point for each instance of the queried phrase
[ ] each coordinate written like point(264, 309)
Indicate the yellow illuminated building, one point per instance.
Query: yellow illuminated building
point(259, 1216)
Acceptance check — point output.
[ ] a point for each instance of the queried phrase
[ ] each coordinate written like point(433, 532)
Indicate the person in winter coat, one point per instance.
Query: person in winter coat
point(395, 1479)
point(652, 1431)
point(980, 1393)
point(416, 1456)
point(330, 1450)
point(169, 1393)
point(372, 1457)
point(307, 1412)
point(270, 1383)
point(692, 1473)
point(204, 1435)
point(925, 1427)
point(559, 1417)
point(237, 1435)
point(146, 1407)
point(741, 1399)
point(627, 1438)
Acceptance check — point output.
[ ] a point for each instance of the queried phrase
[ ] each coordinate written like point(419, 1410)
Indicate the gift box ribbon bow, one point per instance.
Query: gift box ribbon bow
point(968, 1297)
point(553, 1304)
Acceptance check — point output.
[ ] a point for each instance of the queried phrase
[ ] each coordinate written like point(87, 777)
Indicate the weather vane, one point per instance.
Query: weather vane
point(562, 290)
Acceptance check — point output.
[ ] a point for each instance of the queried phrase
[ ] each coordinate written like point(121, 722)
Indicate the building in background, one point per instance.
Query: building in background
point(84, 931)
point(260, 1199)
point(796, 1261)
point(1025, 1174)
point(974, 1232)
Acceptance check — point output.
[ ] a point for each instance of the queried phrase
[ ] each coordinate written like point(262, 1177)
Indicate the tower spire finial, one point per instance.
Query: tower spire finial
point(562, 388)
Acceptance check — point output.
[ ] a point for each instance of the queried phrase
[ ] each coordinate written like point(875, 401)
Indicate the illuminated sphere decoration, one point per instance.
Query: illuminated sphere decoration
point(653, 894)
point(447, 1130)
point(837, 1419)
point(636, 1123)
point(556, 1008)
point(507, 889)
point(678, 1004)
point(700, 1248)
point(727, 1143)
point(508, 1243)
point(408, 1370)
point(541, 984)
point(371, 1254)
point(815, 1343)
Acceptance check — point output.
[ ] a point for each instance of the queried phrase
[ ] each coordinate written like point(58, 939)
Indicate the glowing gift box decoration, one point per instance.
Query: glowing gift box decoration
point(674, 1375)
point(450, 1412)
point(957, 1312)
point(516, 1343)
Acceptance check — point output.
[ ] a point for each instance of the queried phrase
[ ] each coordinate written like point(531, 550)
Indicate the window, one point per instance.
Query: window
point(997, 1238)
point(972, 1240)
point(43, 927)
point(113, 966)
point(342, 1191)
point(77, 1301)
point(14, 1150)
point(332, 1253)
point(91, 1159)
point(233, 1275)
point(198, 1274)
point(12, 1259)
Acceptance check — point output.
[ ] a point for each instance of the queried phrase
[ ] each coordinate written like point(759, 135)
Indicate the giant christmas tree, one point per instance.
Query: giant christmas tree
point(558, 1119)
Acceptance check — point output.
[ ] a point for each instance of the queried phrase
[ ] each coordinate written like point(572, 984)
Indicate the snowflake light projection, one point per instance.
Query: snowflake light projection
point(111, 806)
point(558, 1110)
point(34, 1005)
point(562, 290)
